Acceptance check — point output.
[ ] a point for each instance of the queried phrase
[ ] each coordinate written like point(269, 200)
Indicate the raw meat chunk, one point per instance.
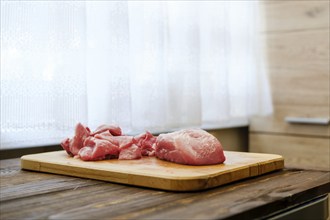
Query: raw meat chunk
point(66, 146)
point(130, 152)
point(132, 147)
point(120, 141)
point(146, 141)
point(127, 150)
point(72, 146)
point(114, 130)
point(189, 146)
point(97, 149)
point(124, 141)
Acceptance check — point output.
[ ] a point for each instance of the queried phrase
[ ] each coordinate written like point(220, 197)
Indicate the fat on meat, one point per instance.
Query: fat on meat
point(190, 146)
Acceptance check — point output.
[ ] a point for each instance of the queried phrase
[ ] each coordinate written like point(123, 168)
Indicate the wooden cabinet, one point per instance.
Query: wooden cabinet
point(299, 151)
point(297, 45)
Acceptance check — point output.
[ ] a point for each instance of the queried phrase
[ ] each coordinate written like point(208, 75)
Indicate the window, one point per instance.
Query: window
point(149, 65)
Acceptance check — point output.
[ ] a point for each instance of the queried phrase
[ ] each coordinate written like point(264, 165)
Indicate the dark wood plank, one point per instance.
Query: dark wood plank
point(43, 205)
point(16, 183)
point(61, 197)
point(18, 152)
point(42, 187)
point(264, 194)
point(4, 164)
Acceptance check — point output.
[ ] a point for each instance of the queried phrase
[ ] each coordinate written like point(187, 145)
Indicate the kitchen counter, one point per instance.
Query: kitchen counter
point(27, 194)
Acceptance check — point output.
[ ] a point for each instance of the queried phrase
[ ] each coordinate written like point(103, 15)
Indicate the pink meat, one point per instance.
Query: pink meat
point(120, 141)
point(146, 141)
point(132, 147)
point(66, 146)
point(114, 130)
point(130, 152)
point(72, 146)
point(106, 135)
point(97, 149)
point(124, 141)
point(189, 146)
point(127, 150)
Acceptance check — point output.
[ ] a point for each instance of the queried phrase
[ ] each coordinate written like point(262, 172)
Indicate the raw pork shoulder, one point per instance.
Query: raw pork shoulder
point(189, 146)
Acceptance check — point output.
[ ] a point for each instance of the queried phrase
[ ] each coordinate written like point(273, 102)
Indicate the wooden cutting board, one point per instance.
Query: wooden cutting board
point(155, 173)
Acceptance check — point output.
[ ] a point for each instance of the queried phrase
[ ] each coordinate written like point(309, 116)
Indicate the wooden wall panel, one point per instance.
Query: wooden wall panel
point(298, 152)
point(295, 15)
point(297, 47)
point(299, 68)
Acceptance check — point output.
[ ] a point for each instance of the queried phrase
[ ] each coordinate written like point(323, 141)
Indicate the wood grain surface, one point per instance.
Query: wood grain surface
point(156, 173)
point(293, 15)
point(299, 75)
point(299, 152)
point(297, 49)
point(35, 195)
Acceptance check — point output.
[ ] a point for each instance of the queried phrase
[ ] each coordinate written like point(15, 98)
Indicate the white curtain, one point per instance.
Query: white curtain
point(155, 65)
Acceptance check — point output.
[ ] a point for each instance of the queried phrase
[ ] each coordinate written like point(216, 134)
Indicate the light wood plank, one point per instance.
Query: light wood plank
point(306, 51)
point(293, 15)
point(300, 82)
point(156, 173)
point(275, 123)
point(298, 152)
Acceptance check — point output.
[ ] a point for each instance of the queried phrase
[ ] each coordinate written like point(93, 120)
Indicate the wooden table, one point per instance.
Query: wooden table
point(26, 194)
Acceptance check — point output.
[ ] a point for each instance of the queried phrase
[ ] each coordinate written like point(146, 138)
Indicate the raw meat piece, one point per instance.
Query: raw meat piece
point(98, 149)
point(127, 150)
point(114, 130)
point(107, 136)
point(66, 146)
point(72, 146)
point(130, 152)
point(120, 141)
point(124, 141)
point(146, 141)
point(190, 146)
